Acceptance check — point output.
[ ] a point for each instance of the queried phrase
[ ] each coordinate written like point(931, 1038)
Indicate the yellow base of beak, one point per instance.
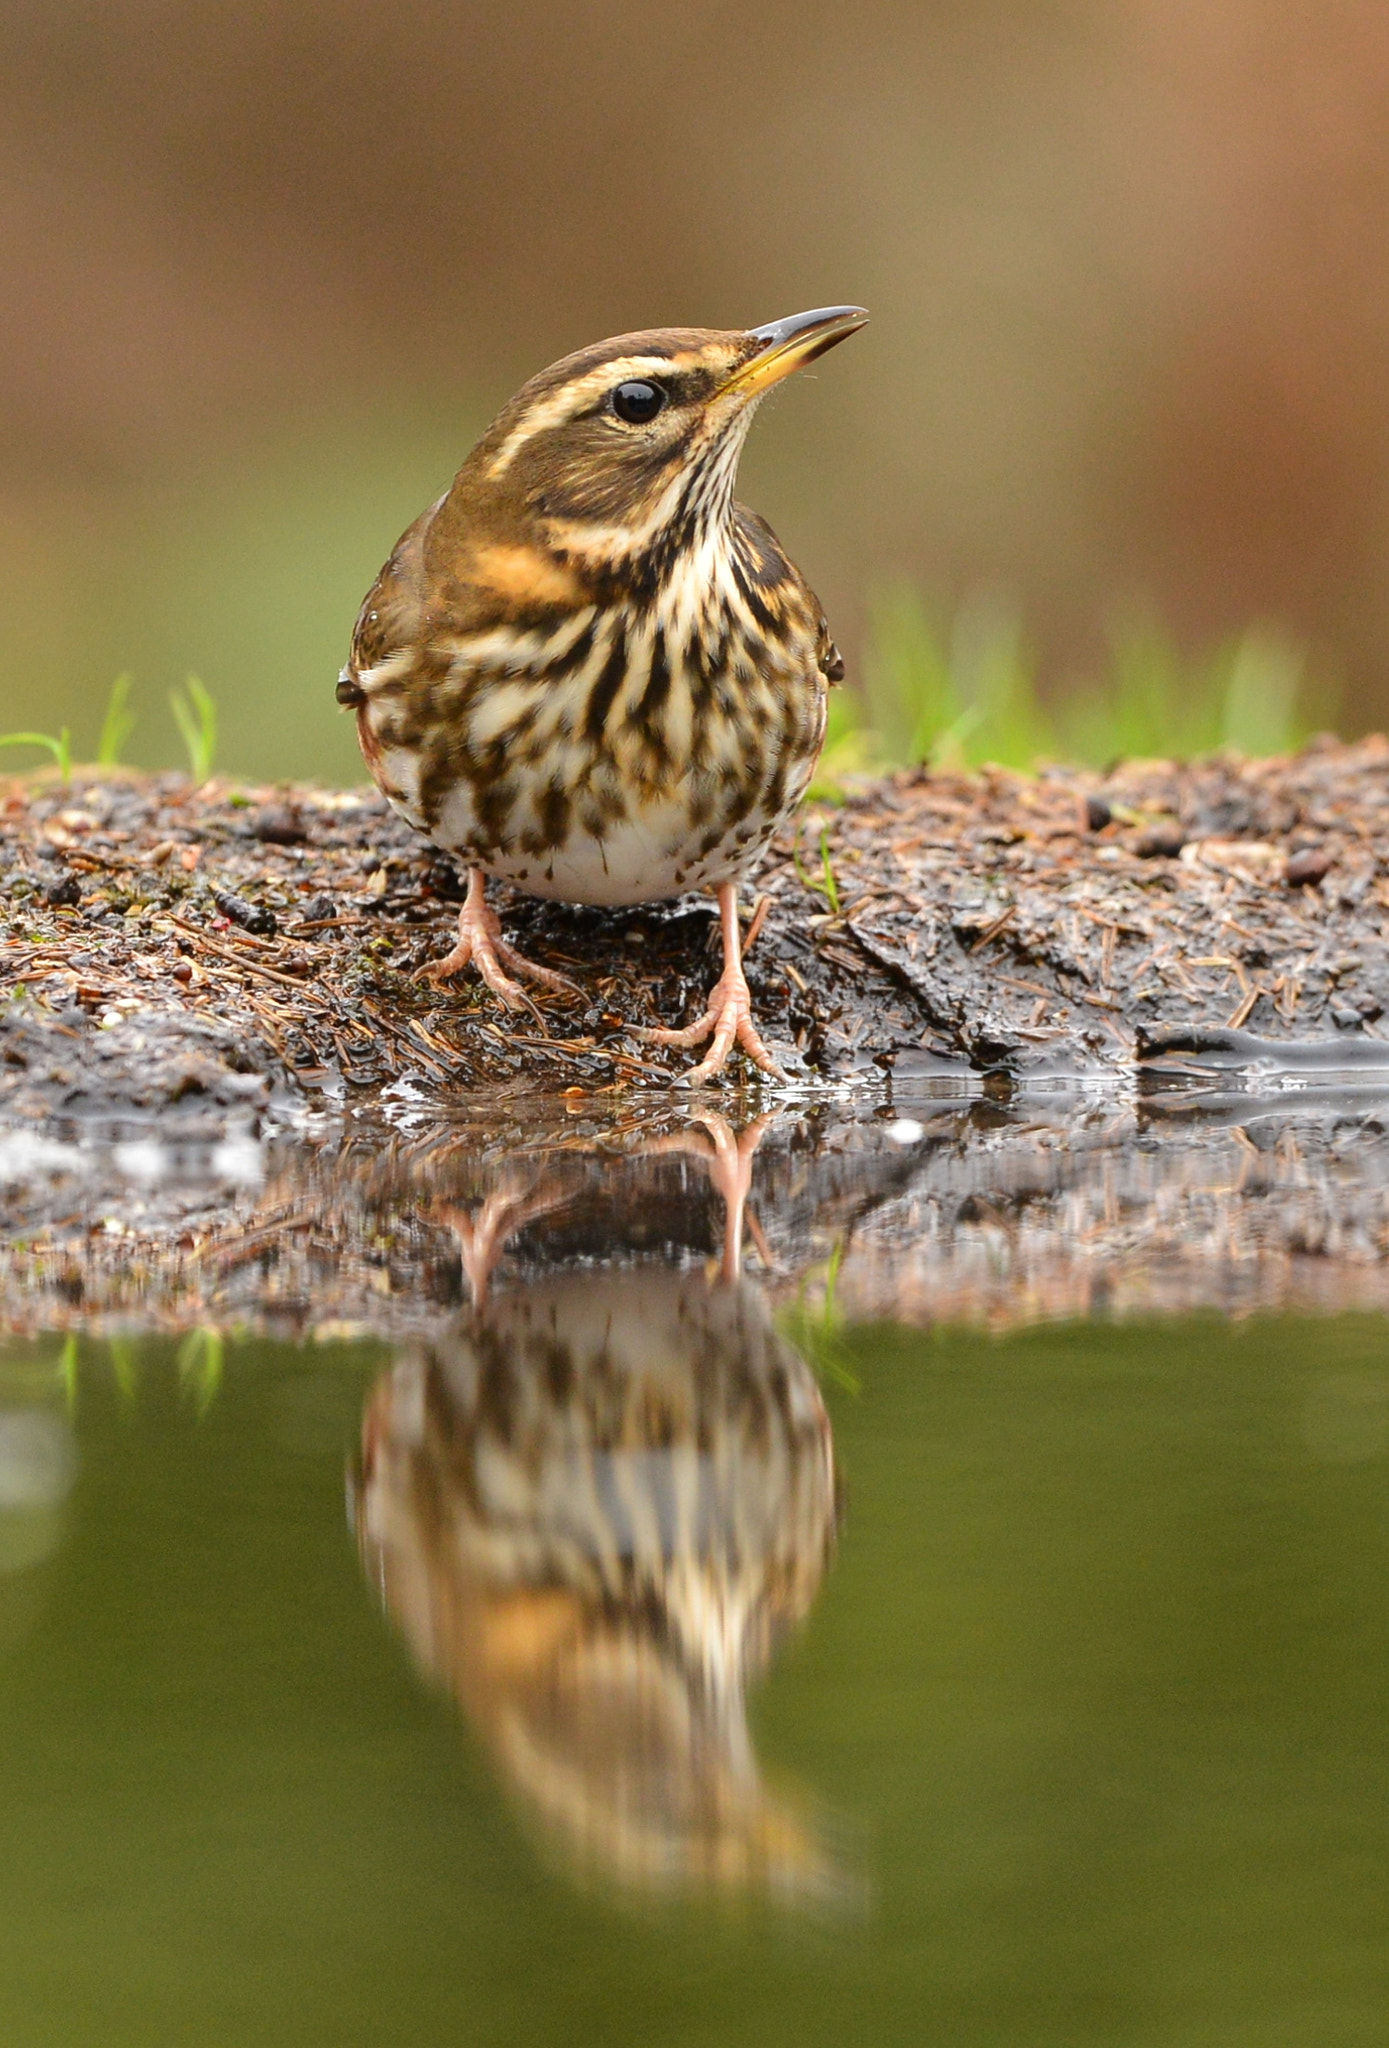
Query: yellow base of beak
point(787, 344)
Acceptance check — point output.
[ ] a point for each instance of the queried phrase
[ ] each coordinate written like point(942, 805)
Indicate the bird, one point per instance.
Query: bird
point(587, 670)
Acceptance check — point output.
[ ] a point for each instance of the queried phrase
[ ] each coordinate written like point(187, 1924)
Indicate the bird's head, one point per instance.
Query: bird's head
point(631, 445)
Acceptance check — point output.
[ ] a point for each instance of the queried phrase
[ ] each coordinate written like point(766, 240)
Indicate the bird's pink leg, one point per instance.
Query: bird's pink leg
point(729, 1015)
point(480, 944)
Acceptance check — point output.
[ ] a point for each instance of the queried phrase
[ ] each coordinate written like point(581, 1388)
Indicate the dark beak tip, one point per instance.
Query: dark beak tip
point(838, 321)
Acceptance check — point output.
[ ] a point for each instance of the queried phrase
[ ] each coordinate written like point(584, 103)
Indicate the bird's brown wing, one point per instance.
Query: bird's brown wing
point(439, 586)
point(781, 586)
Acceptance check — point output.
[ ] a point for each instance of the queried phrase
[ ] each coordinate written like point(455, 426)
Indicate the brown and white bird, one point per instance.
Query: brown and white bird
point(587, 669)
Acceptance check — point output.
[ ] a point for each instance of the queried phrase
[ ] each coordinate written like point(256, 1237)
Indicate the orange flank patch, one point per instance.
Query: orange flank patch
point(525, 576)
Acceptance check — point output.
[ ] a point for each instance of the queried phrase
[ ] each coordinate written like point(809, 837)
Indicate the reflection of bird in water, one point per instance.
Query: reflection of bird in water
point(593, 1509)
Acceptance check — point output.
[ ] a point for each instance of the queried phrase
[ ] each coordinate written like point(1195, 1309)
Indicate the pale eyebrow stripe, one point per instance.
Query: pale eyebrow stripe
point(571, 399)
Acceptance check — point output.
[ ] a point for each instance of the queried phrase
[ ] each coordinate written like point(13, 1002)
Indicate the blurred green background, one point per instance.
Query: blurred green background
point(1123, 408)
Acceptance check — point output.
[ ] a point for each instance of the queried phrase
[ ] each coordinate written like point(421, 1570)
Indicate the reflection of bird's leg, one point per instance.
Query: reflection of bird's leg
point(730, 1171)
point(483, 1236)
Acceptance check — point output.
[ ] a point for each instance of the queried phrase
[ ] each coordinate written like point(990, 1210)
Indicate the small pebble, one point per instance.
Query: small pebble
point(252, 917)
point(1309, 866)
point(317, 908)
point(1097, 813)
point(278, 825)
point(1163, 841)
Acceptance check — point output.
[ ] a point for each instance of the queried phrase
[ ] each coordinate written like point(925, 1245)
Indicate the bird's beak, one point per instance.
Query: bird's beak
point(786, 344)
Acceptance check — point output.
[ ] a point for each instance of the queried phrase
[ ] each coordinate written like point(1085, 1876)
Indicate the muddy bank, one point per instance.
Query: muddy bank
point(231, 953)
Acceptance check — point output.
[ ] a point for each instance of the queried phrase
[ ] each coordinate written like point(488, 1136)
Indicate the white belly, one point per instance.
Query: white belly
point(645, 858)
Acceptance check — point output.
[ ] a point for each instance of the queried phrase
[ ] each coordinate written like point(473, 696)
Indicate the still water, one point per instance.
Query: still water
point(635, 1656)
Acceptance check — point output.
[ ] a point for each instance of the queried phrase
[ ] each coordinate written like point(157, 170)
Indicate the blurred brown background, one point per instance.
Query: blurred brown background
point(267, 270)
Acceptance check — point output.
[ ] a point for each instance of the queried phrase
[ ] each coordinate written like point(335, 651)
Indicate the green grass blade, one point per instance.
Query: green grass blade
point(829, 885)
point(195, 714)
point(117, 725)
point(59, 746)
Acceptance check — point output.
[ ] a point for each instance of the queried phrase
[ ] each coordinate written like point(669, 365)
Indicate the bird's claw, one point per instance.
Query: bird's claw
point(480, 945)
point(728, 1020)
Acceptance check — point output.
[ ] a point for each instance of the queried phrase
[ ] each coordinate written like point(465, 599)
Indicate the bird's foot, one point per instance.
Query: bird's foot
point(480, 944)
point(729, 1020)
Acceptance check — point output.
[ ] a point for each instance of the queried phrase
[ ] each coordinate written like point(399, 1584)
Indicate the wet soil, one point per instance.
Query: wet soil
point(202, 956)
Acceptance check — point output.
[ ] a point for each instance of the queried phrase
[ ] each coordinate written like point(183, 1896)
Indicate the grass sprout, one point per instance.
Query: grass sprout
point(956, 699)
point(824, 884)
point(60, 747)
point(827, 883)
point(195, 714)
point(118, 724)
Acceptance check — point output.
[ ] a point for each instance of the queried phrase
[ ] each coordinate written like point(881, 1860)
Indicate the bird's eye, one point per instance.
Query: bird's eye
point(637, 401)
